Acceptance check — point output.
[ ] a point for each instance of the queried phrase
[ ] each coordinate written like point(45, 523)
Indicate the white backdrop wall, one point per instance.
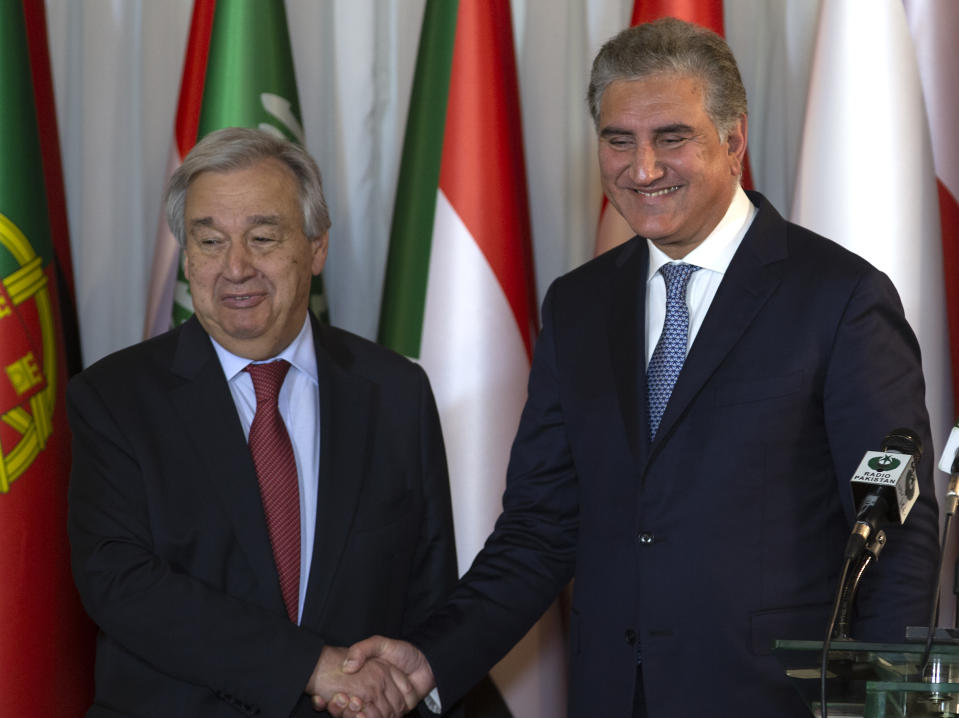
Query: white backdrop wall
point(116, 69)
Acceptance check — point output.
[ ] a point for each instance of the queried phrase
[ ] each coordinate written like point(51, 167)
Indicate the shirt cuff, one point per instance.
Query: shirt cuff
point(432, 701)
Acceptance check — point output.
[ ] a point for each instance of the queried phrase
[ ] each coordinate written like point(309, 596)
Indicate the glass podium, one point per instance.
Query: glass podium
point(874, 680)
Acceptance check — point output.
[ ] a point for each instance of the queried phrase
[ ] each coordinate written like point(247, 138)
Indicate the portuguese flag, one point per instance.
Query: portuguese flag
point(238, 72)
point(459, 292)
point(46, 642)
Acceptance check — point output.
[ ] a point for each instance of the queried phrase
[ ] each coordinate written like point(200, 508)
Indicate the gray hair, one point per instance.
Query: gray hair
point(669, 45)
point(235, 148)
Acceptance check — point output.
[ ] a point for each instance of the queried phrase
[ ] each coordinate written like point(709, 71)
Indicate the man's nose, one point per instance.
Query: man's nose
point(646, 167)
point(238, 262)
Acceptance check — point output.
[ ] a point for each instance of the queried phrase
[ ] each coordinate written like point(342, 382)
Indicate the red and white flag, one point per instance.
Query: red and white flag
point(935, 25)
point(166, 251)
point(865, 177)
point(459, 294)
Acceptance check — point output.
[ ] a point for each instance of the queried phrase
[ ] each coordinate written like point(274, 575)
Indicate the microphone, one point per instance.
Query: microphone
point(949, 464)
point(884, 487)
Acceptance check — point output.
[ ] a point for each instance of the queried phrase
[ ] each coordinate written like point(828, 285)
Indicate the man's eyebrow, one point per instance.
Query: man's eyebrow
point(257, 220)
point(254, 220)
point(673, 129)
point(611, 130)
point(202, 222)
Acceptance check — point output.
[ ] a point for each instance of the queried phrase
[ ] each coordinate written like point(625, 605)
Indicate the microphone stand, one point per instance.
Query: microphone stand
point(934, 608)
point(955, 592)
point(838, 627)
point(863, 547)
point(952, 499)
point(870, 553)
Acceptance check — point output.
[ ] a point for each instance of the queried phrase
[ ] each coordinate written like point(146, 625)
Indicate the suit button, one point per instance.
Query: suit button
point(646, 538)
point(631, 636)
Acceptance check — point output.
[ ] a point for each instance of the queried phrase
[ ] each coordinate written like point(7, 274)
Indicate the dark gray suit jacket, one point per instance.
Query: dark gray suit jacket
point(170, 546)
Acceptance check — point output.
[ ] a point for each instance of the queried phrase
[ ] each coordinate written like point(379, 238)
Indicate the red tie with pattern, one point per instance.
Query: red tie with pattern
point(276, 470)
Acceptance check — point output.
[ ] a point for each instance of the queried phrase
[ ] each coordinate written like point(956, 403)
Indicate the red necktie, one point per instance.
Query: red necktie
point(276, 470)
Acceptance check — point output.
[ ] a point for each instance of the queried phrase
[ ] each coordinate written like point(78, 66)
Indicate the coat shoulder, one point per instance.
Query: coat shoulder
point(117, 368)
point(595, 278)
point(364, 357)
point(774, 237)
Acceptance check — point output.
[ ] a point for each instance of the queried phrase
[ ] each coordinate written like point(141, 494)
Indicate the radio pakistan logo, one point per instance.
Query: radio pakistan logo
point(27, 358)
point(884, 463)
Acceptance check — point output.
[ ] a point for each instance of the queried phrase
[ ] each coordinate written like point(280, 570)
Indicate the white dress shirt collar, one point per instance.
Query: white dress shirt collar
point(299, 353)
point(717, 250)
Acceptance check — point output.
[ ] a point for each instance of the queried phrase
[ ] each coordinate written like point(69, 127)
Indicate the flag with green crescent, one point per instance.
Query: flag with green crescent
point(238, 72)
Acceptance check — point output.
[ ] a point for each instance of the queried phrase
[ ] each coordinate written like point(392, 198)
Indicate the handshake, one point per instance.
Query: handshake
point(376, 678)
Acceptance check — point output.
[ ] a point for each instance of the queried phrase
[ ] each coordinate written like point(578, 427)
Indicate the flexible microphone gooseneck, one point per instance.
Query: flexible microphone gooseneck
point(884, 489)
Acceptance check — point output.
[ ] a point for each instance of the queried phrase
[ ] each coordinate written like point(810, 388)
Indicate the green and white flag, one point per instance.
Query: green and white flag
point(238, 72)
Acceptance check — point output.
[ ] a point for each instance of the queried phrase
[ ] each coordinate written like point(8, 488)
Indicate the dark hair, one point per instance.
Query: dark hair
point(669, 45)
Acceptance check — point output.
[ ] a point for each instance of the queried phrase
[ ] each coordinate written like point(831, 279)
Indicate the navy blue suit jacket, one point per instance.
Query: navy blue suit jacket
point(726, 532)
point(170, 547)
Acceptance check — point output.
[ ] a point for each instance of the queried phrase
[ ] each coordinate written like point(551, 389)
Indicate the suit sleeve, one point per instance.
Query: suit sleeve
point(873, 385)
point(433, 571)
point(182, 626)
point(530, 555)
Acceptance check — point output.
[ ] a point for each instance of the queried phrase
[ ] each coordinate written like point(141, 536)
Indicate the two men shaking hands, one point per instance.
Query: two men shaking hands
point(218, 574)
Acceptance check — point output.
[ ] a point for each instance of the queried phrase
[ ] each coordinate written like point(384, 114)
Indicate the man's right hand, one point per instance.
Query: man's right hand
point(372, 689)
point(402, 655)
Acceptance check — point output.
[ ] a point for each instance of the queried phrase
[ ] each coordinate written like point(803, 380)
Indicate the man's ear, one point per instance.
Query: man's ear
point(321, 246)
point(736, 141)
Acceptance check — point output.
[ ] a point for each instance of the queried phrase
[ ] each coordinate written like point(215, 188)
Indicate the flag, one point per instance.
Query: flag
point(238, 72)
point(46, 641)
point(865, 176)
point(934, 27)
point(613, 229)
point(459, 294)
point(36, 24)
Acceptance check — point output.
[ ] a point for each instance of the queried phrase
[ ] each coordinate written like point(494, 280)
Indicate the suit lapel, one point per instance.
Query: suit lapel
point(208, 416)
point(753, 274)
point(345, 430)
point(627, 343)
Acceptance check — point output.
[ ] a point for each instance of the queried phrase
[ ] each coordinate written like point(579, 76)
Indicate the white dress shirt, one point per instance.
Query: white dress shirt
point(712, 256)
point(299, 404)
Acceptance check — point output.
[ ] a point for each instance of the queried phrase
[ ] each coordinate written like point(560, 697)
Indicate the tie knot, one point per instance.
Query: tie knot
point(267, 379)
point(676, 276)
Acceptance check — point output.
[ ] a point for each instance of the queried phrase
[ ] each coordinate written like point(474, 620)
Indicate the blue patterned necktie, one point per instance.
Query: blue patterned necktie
point(670, 351)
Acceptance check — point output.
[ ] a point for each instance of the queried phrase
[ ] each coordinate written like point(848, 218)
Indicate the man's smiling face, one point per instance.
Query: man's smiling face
point(662, 162)
point(247, 258)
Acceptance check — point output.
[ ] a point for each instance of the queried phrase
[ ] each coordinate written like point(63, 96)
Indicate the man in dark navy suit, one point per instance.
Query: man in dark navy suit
point(224, 575)
point(698, 401)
